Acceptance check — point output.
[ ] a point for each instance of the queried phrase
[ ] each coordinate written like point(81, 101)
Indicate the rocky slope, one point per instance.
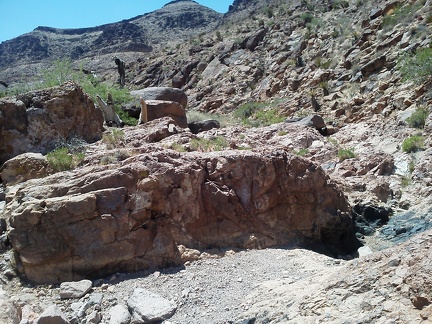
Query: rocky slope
point(286, 59)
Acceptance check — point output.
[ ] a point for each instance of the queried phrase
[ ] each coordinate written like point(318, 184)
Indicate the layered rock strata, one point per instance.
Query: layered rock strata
point(99, 220)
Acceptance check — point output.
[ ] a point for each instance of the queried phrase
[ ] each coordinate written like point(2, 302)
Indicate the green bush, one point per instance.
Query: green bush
point(254, 114)
point(217, 143)
point(418, 118)
point(301, 152)
point(307, 17)
point(340, 4)
point(413, 144)
point(416, 67)
point(402, 14)
point(62, 159)
point(344, 154)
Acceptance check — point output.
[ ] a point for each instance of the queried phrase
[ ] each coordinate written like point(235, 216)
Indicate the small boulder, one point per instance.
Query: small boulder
point(75, 289)
point(162, 93)
point(203, 125)
point(147, 307)
point(119, 314)
point(52, 315)
point(24, 167)
point(315, 121)
point(160, 108)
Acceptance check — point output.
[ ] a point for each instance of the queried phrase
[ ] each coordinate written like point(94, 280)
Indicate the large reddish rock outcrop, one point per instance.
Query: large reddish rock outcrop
point(99, 220)
point(37, 120)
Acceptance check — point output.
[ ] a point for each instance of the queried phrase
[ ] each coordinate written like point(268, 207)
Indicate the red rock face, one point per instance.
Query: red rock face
point(66, 111)
point(98, 220)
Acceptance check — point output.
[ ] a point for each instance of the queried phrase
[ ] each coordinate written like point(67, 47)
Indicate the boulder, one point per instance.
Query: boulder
point(162, 93)
point(53, 314)
point(119, 314)
point(24, 167)
point(75, 289)
point(66, 111)
point(148, 307)
point(99, 220)
point(203, 125)
point(160, 108)
point(252, 41)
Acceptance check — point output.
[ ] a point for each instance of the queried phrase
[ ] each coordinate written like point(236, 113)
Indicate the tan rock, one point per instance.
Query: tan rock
point(159, 109)
point(24, 167)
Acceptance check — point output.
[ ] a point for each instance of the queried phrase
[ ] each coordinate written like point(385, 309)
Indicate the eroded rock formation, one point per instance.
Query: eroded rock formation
point(100, 220)
point(66, 111)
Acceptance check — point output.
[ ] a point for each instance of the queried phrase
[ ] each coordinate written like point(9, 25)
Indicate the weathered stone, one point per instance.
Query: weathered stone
point(159, 109)
point(119, 314)
point(203, 125)
point(65, 111)
point(75, 289)
point(252, 41)
point(94, 221)
point(52, 315)
point(162, 93)
point(373, 66)
point(315, 121)
point(147, 307)
point(24, 167)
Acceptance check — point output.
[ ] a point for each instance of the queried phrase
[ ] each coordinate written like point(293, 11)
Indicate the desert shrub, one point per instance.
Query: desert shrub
point(340, 4)
point(266, 117)
point(418, 118)
point(219, 36)
point(401, 14)
point(301, 152)
point(307, 17)
point(217, 143)
point(248, 109)
point(113, 139)
point(416, 67)
point(177, 147)
point(258, 114)
point(269, 12)
point(62, 159)
point(345, 153)
point(413, 144)
point(405, 181)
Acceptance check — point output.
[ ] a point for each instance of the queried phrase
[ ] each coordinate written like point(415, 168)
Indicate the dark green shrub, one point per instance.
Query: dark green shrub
point(62, 159)
point(344, 154)
point(418, 118)
point(340, 4)
point(307, 17)
point(416, 67)
point(413, 144)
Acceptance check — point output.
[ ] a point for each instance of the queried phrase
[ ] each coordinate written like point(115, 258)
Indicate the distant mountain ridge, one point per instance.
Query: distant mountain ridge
point(177, 20)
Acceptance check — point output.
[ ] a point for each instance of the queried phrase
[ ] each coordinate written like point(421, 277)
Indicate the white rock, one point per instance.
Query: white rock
point(119, 314)
point(52, 315)
point(75, 289)
point(364, 250)
point(94, 318)
point(148, 307)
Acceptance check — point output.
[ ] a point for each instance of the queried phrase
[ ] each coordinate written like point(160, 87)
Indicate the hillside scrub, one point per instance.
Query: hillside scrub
point(416, 67)
point(62, 71)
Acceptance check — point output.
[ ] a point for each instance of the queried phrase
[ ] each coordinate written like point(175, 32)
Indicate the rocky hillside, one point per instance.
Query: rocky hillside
point(320, 137)
point(176, 21)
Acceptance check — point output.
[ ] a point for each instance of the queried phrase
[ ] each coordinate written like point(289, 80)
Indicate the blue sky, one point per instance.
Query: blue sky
point(18, 17)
